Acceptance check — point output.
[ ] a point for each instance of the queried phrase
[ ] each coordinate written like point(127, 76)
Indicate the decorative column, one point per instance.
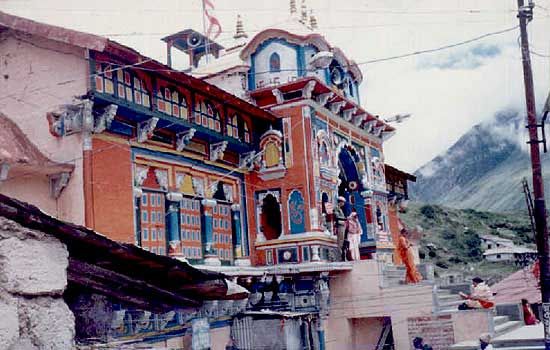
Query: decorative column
point(239, 249)
point(172, 223)
point(210, 258)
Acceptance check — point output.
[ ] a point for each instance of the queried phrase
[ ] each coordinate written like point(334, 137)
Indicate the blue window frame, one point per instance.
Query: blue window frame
point(144, 216)
point(153, 234)
point(145, 234)
point(144, 199)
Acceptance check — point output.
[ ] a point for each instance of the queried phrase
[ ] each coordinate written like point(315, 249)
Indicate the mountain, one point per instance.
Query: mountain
point(483, 169)
point(451, 238)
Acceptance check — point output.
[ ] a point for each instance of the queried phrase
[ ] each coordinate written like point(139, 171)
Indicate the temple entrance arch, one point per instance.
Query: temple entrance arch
point(351, 187)
point(270, 217)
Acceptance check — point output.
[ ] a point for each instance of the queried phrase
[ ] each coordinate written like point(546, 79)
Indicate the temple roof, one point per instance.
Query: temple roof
point(519, 285)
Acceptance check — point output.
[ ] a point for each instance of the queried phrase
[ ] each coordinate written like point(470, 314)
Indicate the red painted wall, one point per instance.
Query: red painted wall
point(112, 200)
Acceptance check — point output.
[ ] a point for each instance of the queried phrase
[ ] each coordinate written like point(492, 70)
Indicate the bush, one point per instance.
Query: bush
point(428, 211)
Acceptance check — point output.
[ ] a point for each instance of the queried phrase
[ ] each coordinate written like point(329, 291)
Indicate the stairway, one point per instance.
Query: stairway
point(393, 276)
point(447, 301)
point(509, 335)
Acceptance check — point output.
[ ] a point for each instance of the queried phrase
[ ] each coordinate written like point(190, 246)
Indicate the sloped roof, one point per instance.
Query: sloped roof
point(519, 285)
point(67, 36)
point(165, 280)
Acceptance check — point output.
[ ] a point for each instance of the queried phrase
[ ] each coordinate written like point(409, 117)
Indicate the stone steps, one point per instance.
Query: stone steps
point(507, 327)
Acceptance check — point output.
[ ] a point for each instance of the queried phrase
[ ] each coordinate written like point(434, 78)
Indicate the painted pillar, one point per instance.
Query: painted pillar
point(239, 248)
point(173, 232)
point(210, 258)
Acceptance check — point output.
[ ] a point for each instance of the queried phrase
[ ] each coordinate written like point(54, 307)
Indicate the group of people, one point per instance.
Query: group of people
point(348, 232)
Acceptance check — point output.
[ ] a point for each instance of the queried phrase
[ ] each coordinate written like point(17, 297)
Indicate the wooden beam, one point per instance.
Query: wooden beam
point(123, 287)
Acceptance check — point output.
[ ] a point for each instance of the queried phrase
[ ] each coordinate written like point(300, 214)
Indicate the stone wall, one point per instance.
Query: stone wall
point(32, 280)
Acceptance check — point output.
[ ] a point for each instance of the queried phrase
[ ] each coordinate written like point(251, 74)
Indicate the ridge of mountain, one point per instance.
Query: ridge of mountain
point(482, 170)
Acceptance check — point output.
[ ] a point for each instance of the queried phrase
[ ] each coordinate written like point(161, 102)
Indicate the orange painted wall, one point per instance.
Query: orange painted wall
point(112, 199)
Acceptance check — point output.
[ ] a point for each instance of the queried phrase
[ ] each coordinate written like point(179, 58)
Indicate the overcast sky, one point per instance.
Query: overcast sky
point(446, 92)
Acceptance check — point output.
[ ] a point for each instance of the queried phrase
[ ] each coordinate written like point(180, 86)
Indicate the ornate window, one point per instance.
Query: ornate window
point(232, 126)
point(272, 155)
point(104, 81)
point(171, 103)
point(274, 63)
point(208, 116)
point(132, 89)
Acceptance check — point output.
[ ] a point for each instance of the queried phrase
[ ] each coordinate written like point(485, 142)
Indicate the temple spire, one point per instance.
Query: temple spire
point(239, 32)
point(303, 18)
point(293, 9)
point(313, 21)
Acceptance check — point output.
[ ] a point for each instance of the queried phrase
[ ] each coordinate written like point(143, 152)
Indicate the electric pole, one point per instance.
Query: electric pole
point(525, 15)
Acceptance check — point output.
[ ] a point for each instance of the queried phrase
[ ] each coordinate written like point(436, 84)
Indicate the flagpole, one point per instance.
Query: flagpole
point(207, 41)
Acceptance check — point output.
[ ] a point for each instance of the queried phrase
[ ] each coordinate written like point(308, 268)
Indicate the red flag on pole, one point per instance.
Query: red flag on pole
point(214, 27)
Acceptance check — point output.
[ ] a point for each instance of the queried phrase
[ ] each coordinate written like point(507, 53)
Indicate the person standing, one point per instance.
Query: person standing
point(340, 223)
point(407, 257)
point(354, 232)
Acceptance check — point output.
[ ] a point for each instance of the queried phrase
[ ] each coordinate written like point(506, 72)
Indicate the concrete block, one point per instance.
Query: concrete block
point(48, 322)
point(33, 267)
point(9, 322)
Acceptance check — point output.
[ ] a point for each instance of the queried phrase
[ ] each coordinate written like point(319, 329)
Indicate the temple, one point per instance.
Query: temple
point(235, 166)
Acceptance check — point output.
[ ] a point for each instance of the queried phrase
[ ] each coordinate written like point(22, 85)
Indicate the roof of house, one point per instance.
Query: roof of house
point(495, 238)
point(67, 36)
point(132, 274)
point(133, 57)
point(519, 285)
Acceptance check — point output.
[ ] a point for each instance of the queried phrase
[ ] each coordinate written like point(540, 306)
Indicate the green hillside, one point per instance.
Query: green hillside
point(451, 238)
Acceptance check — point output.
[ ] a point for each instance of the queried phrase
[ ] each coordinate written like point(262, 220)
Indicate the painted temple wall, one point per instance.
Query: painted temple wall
point(41, 76)
point(112, 201)
point(357, 295)
point(233, 83)
point(288, 59)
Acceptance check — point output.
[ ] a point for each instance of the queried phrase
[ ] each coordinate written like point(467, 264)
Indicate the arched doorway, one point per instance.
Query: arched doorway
point(270, 219)
point(351, 187)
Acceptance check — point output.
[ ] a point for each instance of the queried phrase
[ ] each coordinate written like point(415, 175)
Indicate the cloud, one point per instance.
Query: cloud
point(462, 59)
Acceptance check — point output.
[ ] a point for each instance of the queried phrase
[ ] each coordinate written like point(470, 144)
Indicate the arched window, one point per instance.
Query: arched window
point(274, 62)
point(232, 126)
point(171, 103)
point(132, 89)
point(208, 116)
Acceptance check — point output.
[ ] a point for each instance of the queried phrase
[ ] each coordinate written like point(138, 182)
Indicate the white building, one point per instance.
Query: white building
point(508, 253)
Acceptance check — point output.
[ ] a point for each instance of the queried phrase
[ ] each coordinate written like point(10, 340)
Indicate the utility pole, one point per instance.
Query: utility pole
point(525, 14)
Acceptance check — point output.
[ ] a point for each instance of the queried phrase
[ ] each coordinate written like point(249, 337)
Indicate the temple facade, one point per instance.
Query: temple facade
point(235, 166)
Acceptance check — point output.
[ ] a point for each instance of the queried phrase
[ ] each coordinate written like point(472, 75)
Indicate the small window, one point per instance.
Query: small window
point(145, 234)
point(154, 250)
point(161, 251)
point(153, 217)
point(498, 256)
point(144, 199)
point(144, 216)
point(159, 234)
point(274, 63)
point(153, 234)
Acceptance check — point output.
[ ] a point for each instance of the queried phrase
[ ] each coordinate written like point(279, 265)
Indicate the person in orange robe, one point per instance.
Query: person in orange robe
point(406, 255)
